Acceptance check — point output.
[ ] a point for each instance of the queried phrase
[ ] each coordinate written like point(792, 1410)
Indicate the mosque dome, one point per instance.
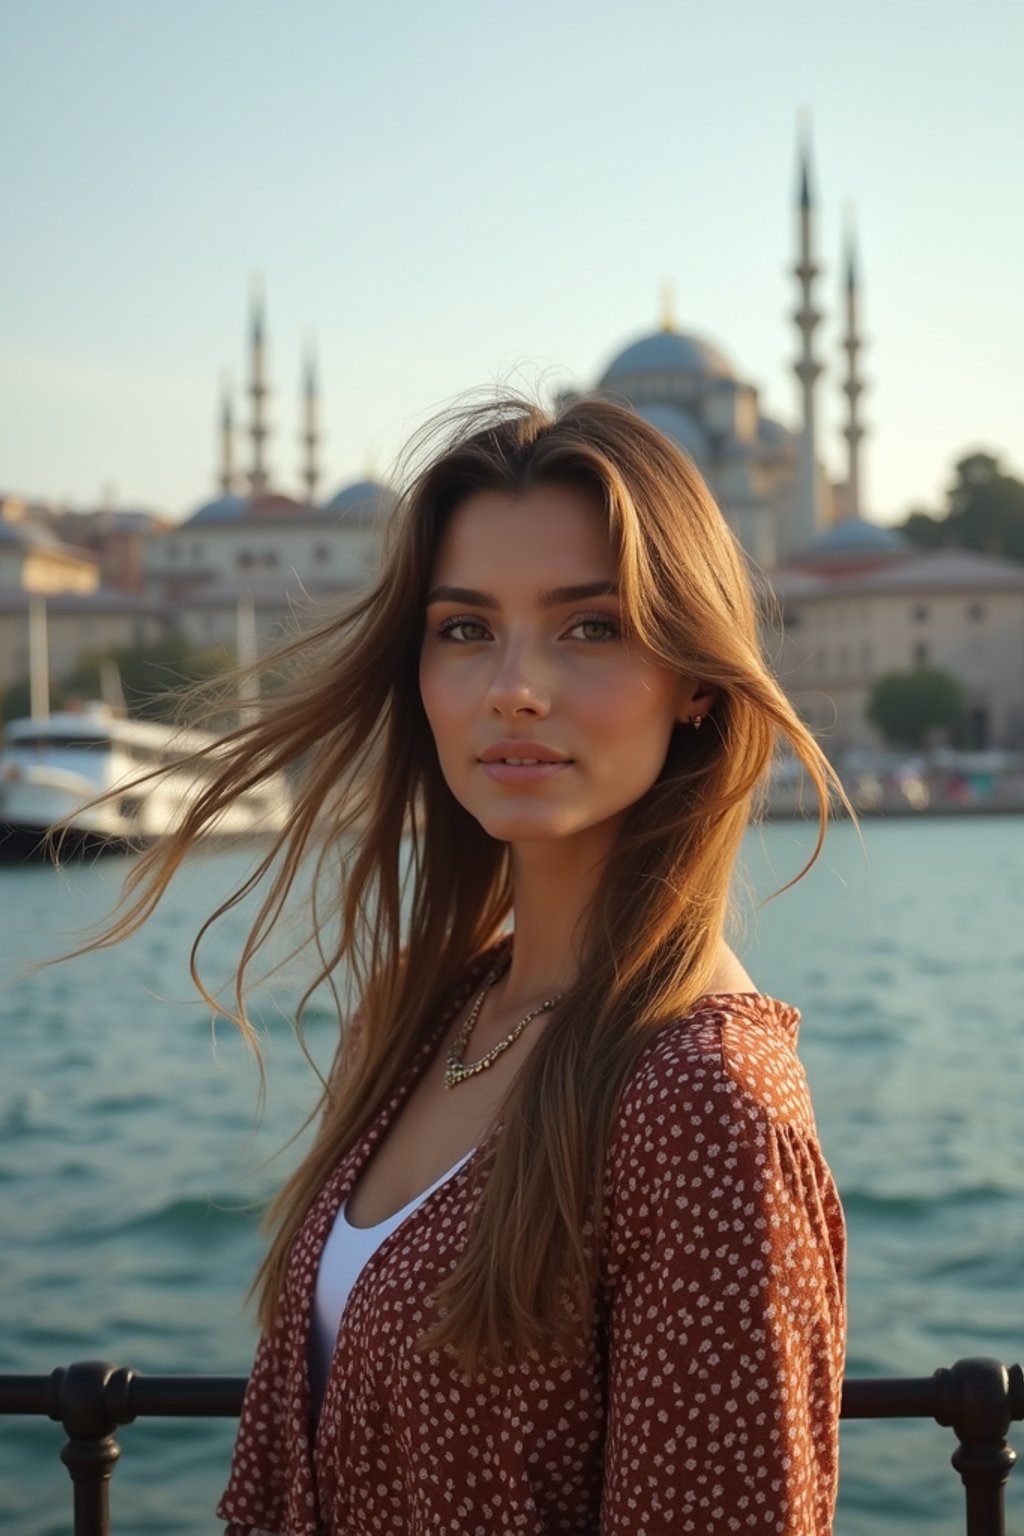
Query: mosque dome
point(273, 506)
point(854, 536)
point(772, 433)
point(363, 502)
point(668, 352)
point(225, 509)
point(852, 545)
point(678, 425)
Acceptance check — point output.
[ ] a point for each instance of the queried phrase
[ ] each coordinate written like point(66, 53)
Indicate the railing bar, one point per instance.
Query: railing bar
point(173, 1396)
point(977, 1398)
point(221, 1396)
point(884, 1397)
point(23, 1394)
point(158, 1396)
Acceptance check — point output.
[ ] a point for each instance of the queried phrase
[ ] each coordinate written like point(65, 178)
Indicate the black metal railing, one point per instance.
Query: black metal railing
point(978, 1399)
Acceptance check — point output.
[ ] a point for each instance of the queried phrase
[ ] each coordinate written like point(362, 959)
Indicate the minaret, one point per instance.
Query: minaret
point(258, 479)
point(227, 441)
point(853, 386)
point(806, 368)
point(310, 435)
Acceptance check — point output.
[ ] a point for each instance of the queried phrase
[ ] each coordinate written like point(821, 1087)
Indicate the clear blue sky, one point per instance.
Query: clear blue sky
point(446, 193)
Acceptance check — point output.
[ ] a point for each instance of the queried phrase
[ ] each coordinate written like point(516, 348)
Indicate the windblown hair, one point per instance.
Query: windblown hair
point(409, 889)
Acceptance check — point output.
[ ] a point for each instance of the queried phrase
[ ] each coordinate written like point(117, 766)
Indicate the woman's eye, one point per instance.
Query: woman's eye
point(594, 628)
point(462, 631)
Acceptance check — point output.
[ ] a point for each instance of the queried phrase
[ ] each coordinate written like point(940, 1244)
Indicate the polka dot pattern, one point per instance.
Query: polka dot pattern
point(707, 1399)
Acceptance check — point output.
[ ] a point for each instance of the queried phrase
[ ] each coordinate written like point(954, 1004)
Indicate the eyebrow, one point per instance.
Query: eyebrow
point(552, 597)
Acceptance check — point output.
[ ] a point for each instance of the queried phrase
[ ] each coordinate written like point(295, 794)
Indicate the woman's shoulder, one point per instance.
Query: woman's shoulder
point(717, 1102)
point(731, 1055)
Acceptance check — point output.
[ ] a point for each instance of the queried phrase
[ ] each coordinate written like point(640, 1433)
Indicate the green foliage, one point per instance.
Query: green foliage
point(924, 530)
point(984, 512)
point(909, 708)
point(151, 675)
point(17, 700)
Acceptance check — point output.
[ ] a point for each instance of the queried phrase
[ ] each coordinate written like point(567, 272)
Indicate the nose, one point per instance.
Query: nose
point(517, 686)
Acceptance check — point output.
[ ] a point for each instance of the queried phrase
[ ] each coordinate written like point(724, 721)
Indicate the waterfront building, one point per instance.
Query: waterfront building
point(116, 536)
point(34, 560)
point(282, 554)
point(85, 609)
point(290, 558)
point(843, 625)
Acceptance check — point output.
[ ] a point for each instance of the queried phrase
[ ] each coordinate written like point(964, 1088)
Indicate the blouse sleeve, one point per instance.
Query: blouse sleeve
point(726, 1314)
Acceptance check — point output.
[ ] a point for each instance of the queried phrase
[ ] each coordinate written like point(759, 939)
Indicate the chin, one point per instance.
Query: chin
point(522, 826)
point(521, 831)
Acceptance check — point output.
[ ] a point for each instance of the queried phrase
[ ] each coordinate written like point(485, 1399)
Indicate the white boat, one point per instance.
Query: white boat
point(52, 766)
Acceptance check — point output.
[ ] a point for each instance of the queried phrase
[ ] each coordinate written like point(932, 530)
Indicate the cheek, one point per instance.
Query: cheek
point(442, 699)
point(428, 693)
point(633, 707)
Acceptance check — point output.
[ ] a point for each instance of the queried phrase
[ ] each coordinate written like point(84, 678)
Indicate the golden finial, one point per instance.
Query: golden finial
point(668, 317)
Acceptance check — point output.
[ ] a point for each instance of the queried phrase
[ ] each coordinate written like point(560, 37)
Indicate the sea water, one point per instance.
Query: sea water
point(132, 1166)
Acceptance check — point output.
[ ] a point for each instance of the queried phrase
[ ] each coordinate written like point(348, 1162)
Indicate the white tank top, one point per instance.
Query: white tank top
point(345, 1254)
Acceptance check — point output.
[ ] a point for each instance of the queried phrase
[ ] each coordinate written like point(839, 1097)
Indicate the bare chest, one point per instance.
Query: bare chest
point(433, 1130)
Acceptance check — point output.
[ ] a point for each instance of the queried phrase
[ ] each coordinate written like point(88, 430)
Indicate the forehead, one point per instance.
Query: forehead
point(549, 530)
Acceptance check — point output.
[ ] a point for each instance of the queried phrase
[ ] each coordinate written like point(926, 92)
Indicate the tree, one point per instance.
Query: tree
point(151, 675)
point(984, 511)
point(986, 507)
point(924, 530)
point(909, 707)
point(17, 698)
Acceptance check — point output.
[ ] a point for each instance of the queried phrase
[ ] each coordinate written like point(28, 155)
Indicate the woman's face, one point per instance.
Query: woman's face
point(548, 724)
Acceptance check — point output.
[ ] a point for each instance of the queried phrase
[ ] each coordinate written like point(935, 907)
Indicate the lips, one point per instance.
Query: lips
point(521, 764)
point(522, 754)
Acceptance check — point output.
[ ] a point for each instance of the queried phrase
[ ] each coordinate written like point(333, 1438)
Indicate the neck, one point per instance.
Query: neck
point(553, 885)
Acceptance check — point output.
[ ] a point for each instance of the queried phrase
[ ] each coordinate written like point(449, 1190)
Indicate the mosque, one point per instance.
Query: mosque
point(766, 476)
point(254, 543)
point(853, 601)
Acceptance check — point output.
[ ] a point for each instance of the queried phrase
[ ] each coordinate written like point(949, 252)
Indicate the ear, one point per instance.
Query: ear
point(695, 698)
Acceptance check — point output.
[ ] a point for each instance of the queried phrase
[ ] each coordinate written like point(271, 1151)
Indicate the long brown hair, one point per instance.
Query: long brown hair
point(396, 909)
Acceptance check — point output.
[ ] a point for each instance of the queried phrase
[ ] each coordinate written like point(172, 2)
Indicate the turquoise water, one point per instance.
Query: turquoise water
point(130, 1161)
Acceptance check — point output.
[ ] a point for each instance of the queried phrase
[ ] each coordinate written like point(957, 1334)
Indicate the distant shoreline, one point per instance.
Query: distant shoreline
point(904, 812)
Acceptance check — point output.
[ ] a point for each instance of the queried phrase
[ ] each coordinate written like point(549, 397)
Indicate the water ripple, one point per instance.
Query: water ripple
point(130, 1162)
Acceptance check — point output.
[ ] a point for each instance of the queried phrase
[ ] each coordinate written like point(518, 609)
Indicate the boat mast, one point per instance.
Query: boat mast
point(38, 659)
point(247, 648)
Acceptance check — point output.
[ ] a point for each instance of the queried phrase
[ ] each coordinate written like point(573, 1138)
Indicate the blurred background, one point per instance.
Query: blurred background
point(250, 250)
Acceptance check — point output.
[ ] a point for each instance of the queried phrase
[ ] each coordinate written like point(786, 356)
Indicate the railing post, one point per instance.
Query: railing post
point(91, 1399)
point(979, 1398)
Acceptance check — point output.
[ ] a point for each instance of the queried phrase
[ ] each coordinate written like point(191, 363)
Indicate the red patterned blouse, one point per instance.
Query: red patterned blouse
point(709, 1397)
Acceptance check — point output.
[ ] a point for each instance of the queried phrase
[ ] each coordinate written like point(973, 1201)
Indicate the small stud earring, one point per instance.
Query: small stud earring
point(696, 721)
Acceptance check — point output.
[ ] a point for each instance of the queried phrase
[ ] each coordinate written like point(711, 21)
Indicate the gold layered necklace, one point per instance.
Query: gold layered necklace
point(456, 1071)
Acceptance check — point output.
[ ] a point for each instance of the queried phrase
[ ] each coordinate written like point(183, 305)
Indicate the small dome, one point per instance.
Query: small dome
point(272, 506)
point(678, 425)
point(37, 536)
point(854, 534)
point(773, 433)
point(225, 509)
point(668, 352)
point(26, 534)
point(364, 502)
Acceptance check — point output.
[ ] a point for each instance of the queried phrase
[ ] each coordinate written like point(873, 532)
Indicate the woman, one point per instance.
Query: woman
point(565, 1254)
